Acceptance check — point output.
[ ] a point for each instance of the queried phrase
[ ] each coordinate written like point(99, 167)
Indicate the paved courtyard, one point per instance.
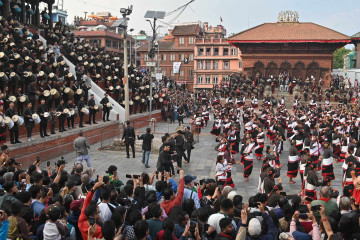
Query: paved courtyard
point(202, 162)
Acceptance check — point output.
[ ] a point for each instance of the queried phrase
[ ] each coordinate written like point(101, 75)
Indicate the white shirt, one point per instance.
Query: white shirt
point(105, 212)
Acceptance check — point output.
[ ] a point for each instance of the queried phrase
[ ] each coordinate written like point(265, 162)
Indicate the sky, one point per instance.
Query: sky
point(237, 15)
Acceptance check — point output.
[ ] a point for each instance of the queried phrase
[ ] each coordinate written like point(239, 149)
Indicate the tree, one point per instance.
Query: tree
point(339, 55)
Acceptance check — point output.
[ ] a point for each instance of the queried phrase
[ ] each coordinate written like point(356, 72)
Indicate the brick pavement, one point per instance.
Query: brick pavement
point(202, 163)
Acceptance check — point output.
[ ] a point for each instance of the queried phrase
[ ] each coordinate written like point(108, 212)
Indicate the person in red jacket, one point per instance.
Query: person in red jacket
point(90, 213)
point(170, 200)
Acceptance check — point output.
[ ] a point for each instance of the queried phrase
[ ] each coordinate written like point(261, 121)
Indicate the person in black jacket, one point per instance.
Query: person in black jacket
point(164, 162)
point(60, 109)
point(146, 146)
point(129, 136)
point(179, 139)
point(189, 139)
point(14, 131)
point(43, 124)
point(106, 109)
point(29, 122)
point(80, 106)
point(91, 104)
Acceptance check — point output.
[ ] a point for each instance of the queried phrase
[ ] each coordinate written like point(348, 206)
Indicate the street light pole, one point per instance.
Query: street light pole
point(126, 74)
point(126, 12)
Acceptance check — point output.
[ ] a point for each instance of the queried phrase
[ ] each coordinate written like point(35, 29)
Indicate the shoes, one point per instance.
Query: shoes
point(108, 120)
point(127, 156)
point(147, 166)
point(18, 141)
point(53, 133)
point(42, 136)
point(47, 135)
point(134, 156)
point(59, 131)
point(64, 130)
point(104, 120)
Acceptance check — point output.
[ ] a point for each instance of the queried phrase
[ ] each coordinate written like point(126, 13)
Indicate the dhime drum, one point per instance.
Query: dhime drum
point(9, 122)
point(47, 115)
point(67, 112)
point(36, 118)
point(14, 76)
point(96, 108)
point(108, 104)
point(85, 111)
point(46, 93)
point(74, 112)
point(12, 99)
point(54, 93)
point(79, 91)
point(69, 92)
point(23, 98)
point(18, 119)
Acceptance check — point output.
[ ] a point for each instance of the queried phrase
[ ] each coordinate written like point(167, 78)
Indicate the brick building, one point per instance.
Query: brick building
point(301, 49)
point(215, 59)
point(177, 46)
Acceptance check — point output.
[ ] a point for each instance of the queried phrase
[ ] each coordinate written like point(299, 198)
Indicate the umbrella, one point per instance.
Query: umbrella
point(92, 16)
point(113, 18)
point(82, 27)
point(100, 18)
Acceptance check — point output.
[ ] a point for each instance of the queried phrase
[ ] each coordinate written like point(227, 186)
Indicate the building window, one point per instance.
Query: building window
point(146, 57)
point(172, 57)
point(216, 51)
point(200, 65)
point(226, 65)
point(164, 73)
point(240, 64)
point(207, 79)
point(216, 65)
point(181, 73)
point(62, 20)
point(208, 65)
point(226, 52)
point(233, 52)
point(108, 43)
point(171, 73)
point(215, 79)
point(200, 79)
point(200, 51)
point(225, 77)
point(191, 57)
point(191, 40)
point(216, 36)
point(115, 44)
point(163, 57)
point(95, 41)
point(208, 51)
point(190, 72)
point(182, 56)
point(181, 41)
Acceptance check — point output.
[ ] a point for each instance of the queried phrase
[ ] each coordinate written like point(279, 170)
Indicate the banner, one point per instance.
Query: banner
point(176, 67)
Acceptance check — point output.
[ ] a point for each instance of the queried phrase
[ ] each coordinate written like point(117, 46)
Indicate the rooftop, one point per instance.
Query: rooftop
point(97, 34)
point(185, 29)
point(289, 32)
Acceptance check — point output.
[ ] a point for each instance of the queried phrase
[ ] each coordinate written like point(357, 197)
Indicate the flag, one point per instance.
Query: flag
point(220, 19)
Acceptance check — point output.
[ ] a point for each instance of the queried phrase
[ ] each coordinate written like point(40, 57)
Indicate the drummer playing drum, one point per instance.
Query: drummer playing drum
point(14, 131)
point(29, 122)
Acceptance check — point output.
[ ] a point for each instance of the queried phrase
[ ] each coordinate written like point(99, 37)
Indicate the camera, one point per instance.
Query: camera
point(315, 208)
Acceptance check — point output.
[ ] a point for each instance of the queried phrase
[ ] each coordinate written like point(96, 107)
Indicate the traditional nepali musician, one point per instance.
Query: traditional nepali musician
point(248, 158)
point(328, 161)
point(293, 163)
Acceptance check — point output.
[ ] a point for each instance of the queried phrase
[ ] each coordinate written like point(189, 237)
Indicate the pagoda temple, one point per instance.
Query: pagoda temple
point(299, 49)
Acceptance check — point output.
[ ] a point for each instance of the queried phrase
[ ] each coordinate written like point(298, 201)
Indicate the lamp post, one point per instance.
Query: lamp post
point(126, 12)
point(131, 45)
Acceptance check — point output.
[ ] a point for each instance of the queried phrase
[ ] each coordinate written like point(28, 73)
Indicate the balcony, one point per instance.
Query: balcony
point(211, 41)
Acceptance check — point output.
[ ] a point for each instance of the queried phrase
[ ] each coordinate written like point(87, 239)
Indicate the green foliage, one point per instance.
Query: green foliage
point(339, 55)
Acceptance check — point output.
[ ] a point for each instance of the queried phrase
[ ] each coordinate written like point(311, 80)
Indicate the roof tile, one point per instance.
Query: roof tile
point(272, 32)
